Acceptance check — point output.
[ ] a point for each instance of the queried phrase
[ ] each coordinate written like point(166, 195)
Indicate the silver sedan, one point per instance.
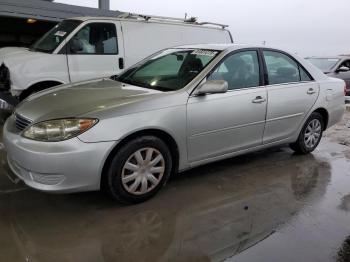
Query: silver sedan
point(180, 108)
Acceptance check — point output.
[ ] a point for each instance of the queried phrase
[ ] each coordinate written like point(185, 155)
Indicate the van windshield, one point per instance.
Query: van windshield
point(169, 70)
point(52, 39)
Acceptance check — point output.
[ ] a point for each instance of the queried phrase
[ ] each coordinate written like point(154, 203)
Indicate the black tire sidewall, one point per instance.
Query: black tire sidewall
point(114, 182)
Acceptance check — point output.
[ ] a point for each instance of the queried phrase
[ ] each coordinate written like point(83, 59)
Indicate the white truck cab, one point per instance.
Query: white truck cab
point(84, 48)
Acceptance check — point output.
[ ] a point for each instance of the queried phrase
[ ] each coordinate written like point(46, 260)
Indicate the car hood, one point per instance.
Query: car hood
point(10, 51)
point(13, 56)
point(94, 98)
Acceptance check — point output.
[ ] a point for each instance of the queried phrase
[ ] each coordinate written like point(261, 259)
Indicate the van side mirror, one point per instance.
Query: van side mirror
point(342, 69)
point(76, 46)
point(212, 87)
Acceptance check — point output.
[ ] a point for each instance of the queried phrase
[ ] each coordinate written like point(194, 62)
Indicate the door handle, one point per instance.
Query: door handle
point(121, 63)
point(259, 100)
point(311, 91)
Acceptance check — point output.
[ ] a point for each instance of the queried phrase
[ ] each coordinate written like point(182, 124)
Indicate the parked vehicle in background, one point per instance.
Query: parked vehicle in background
point(337, 66)
point(180, 108)
point(85, 48)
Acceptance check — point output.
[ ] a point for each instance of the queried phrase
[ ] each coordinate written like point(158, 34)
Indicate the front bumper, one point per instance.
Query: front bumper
point(65, 167)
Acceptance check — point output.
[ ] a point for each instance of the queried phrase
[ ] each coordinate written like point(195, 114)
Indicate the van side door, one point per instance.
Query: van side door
point(95, 51)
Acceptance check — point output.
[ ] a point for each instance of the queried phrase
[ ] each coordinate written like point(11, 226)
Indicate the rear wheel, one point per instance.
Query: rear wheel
point(310, 135)
point(139, 170)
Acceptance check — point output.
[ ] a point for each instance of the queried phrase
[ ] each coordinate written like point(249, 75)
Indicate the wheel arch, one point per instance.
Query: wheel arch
point(38, 86)
point(325, 115)
point(161, 134)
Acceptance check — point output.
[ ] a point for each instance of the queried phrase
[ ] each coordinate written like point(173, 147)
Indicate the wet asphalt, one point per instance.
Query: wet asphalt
point(271, 205)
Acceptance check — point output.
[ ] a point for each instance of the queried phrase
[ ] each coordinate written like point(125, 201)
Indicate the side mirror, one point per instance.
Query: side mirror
point(212, 87)
point(342, 69)
point(76, 46)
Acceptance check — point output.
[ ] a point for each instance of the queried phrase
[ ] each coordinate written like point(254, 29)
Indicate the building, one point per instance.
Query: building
point(24, 21)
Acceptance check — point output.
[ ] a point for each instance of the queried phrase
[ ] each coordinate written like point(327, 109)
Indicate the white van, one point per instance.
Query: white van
point(89, 47)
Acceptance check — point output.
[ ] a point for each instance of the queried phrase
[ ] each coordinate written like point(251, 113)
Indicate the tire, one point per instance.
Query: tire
point(313, 127)
point(144, 158)
point(37, 88)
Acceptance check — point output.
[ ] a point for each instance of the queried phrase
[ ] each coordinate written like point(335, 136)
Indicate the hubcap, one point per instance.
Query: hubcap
point(143, 171)
point(313, 133)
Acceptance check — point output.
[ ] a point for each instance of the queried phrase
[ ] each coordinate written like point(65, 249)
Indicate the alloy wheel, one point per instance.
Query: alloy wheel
point(313, 133)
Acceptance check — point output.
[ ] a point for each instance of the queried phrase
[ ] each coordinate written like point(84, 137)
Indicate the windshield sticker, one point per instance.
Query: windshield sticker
point(60, 33)
point(204, 52)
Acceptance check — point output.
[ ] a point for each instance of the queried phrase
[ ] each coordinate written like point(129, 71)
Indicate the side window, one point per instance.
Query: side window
point(346, 64)
point(97, 38)
point(283, 69)
point(303, 75)
point(240, 70)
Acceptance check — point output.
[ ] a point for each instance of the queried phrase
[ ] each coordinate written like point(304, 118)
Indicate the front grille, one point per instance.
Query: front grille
point(21, 122)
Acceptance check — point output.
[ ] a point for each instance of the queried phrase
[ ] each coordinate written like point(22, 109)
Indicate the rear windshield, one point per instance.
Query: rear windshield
point(169, 70)
point(52, 39)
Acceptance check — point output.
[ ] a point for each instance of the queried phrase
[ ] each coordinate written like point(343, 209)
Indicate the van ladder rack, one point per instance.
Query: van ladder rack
point(192, 20)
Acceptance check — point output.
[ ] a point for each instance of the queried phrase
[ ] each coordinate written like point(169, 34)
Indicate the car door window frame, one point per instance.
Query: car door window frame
point(219, 63)
point(66, 48)
point(300, 66)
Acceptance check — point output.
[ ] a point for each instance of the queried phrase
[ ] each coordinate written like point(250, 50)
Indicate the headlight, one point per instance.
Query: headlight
point(58, 130)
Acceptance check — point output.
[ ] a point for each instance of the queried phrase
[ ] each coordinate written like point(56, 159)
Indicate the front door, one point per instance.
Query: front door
point(101, 48)
point(219, 124)
point(291, 95)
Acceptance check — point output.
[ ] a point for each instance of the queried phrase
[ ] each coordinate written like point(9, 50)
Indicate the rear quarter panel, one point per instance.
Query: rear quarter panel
point(332, 99)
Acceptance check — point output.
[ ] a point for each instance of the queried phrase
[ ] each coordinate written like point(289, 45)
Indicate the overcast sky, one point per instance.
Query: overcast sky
point(306, 27)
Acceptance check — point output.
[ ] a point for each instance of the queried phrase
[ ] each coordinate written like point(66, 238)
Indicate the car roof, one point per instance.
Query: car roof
point(221, 47)
point(330, 57)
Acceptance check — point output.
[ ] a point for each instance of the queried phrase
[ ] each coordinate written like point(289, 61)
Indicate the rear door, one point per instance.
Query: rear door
point(101, 54)
point(291, 94)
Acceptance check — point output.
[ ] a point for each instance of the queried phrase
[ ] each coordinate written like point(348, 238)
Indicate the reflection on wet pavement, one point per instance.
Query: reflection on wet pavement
point(266, 206)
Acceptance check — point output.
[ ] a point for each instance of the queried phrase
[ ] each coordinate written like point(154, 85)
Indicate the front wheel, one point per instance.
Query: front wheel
point(139, 170)
point(310, 135)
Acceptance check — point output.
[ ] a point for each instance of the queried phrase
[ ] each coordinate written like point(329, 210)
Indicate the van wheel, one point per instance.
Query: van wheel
point(37, 88)
point(139, 170)
point(310, 135)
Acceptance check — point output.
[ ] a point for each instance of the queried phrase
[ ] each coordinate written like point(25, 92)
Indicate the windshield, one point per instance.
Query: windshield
point(325, 64)
point(169, 70)
point(52, 39)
